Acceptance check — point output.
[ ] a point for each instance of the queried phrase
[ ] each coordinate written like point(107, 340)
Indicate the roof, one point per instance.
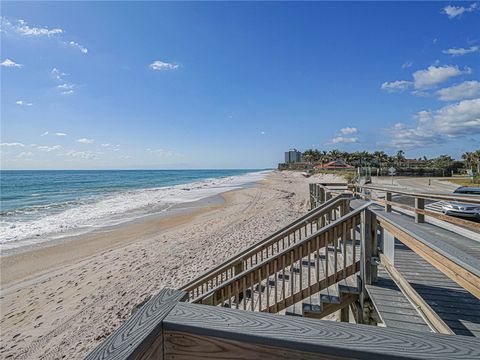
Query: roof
point(337, 164)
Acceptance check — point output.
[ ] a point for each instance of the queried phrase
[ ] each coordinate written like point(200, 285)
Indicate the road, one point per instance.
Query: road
point(417, 184)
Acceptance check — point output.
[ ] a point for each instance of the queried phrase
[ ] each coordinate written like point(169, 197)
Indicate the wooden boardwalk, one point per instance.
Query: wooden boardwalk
point(459, 309)
point(419, 282)
point(393, 307)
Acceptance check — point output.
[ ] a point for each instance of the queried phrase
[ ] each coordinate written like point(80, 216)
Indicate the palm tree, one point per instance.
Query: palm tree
point(400, 157)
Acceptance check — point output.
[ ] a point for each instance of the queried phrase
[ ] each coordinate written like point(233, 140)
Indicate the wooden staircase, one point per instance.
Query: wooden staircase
point(279, 241)
point(313, 276)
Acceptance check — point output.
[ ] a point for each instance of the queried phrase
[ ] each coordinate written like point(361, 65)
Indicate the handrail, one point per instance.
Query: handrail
point(474, 199)
point(419, 209)
point(230, 264)
point(463, 273)
point(290, 250)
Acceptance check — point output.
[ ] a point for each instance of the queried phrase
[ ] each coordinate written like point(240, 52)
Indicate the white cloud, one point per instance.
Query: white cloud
point(160, 65)
point(82, 154)
point(66, 88)
point(396, 86)
point(349, 130)
point(23, 28)
point(113, 147)
point(407, 64)
point(24, 154)
point(76, 45)
point(341, 139)
point(49, 148)
point(84, 141)
point(433, 75)
point(406, 138)
point(14, 144)
point(435, 127)
point(162, 152)
point(454, 11)
point(58, 74)
point(23, 103)
point(262, 132)
point(465, 90)
point(461, 51)
point(458, 119)
point(10, 63)
point(125, 157)
point(55, 133)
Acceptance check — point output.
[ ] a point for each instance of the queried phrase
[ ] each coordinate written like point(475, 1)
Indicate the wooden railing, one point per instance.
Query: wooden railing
point(388, 201)
point(321, 192)
point(166, 328)
point(277, 242)
point(330, 255)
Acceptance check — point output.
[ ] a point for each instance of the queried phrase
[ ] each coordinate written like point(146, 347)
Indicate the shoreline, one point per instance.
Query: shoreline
point(61, 301)
point(108, 209)
point(52, 255)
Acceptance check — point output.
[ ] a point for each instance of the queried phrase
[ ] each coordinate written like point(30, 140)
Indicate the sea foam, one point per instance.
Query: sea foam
point(114, 209)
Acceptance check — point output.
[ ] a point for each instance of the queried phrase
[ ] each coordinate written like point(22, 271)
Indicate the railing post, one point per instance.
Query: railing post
point(388, 199)
point(328, 196)
point(368, 240)
point(374, 235)
point(311, 190)
point(345, 314)
point(419, 205)
point(366, 248)
point(238, 267)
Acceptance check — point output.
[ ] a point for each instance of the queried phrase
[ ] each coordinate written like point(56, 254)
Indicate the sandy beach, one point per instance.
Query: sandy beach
point(62, 299)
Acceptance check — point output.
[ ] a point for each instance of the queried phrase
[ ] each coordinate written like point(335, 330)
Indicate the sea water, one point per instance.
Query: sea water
point(38, 206)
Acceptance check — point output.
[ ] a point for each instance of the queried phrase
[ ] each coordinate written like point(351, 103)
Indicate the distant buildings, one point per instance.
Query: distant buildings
point(293, 156)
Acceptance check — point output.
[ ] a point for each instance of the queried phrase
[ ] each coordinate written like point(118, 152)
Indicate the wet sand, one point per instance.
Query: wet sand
point(62, 299)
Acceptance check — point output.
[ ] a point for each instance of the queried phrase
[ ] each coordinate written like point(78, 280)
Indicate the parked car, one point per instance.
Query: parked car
point(462, 210)
point(467, 190)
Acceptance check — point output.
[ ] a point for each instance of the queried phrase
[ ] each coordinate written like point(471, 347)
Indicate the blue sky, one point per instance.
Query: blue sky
point(234, 85)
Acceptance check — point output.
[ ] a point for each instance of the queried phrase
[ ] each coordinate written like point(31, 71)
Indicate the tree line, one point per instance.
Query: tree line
point(380, 159)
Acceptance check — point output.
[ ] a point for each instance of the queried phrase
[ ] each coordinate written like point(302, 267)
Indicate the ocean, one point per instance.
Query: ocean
point(37, 206)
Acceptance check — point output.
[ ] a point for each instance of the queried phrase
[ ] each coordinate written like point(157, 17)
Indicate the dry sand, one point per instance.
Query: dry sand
point(61, 300)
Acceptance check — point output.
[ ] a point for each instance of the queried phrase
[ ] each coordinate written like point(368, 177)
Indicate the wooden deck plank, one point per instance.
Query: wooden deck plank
point(463, 314)
point(318, 336)
point(392, 305)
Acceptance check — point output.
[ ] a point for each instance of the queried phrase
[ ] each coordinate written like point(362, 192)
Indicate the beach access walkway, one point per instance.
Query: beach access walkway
point(402, 287)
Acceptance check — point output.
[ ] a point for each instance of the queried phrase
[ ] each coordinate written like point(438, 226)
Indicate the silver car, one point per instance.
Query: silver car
point(462, 210)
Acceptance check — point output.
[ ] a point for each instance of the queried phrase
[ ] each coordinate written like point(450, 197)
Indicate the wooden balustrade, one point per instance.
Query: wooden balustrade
point(320, 192)
point(281, 240)
point(419, 211)
point(280, 281)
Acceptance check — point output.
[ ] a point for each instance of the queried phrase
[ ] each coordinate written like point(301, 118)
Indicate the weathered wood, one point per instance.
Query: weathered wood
point(388, 203)
point(186, 346)
point(435, 321)
point(449, 265)
point(345, 314)
point(250, 255)
point(366, 248)
point(419, 205)
point(330, 308)
point(140, 336)
point(388, 199)
point(315, 336)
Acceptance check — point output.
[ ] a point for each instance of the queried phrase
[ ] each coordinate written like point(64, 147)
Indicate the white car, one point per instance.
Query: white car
point(461, 209)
